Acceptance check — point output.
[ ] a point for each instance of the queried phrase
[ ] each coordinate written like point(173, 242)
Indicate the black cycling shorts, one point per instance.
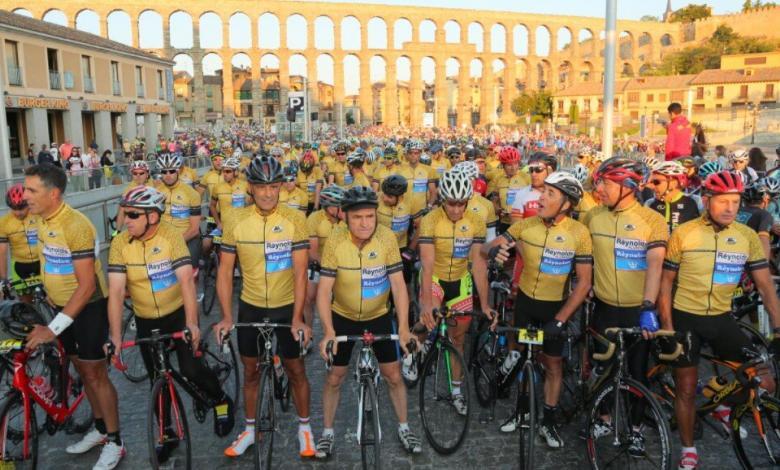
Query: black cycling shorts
point(27, 270)
point(386, 351)
point(194, 246)
point(532, 312)
point(286, 346)
point(86, 336)
point(721, 332)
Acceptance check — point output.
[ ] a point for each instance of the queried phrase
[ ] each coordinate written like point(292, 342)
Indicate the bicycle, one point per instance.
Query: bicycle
point(273, 385)
point(134, 369)
point(369, 430)
point(208, 273)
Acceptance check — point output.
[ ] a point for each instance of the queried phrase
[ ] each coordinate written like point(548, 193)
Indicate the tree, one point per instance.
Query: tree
point(534, 103)
point(350, 118)
point(649, 18)
point(691, 13)
point(748, 5)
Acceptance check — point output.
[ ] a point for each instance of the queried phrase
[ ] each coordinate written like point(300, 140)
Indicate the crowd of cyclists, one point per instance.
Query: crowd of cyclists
point(340, 228)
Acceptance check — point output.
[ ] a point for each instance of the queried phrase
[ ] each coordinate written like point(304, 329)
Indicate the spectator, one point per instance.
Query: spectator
point(66, 149)
point(678, 133)
point(92, 168)
point(757, 161)
point(699, 147)
point(31, 154)
point(44, 156)
point(75, 169)
point(55, 154)
point(722, 156)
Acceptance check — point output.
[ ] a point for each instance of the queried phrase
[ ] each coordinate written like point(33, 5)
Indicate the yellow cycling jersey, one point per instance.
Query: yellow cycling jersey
point(308, 182)
point(319, 226)
point(21, 235)
point(439, 166)
point(549, 254)
point(210, 180)
point(230, 197)
point(507, 189)
point(452, 241)
point(150, 267)
point(484, 209)
point(418, 178)
point(621, 240)
point(66, 236)
point(264, 246)
point(362, 283)
point(181, 203)
point(131, 185)
point(383, 171)
point(340, 173)
point(188, 176)
point(397, 218)
point(296, 199)
point(709, 264)
point(359, 179)
point(587, 202)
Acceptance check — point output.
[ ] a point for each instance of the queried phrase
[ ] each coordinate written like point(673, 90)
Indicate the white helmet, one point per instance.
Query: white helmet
point(566, 183)
point(581, 172)
point(237, 153)
point(168, 161)
point(139, 165)
point(276, 151)
point(670, 168)
point(455, 186)
point(739, 155)
point(650, 162)
point(232, 163)
point(469, 168)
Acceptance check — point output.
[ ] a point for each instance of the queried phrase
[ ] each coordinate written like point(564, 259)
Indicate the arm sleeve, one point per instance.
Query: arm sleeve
point(515, 231)
point(116, 262)
point(180, 254)
point(229, 236)
point(426, 229)
point(393, 254)
point(81, 241)
point(481, 231)
point(584, 251)
point(301, 235)
point(659, 231)
point(329, 261)
point(4, 229)
point(674, 252)
point(756, 257)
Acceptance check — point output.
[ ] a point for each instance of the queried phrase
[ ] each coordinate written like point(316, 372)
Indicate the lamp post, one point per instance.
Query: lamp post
point(609, 77)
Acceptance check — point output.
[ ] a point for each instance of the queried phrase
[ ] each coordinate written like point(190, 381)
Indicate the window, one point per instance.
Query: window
point(601, 106)
point(210, 105)
point(269, 110)
point(160, 85)
point(116, 85)
point(770, 91)
point(560, 106)
point(650, 98)
point(719, 92)
point(209, 92)
point(55, 83)
point(586, 108)
point(139, 81)
point(633, 97)
point(700, 93)
point(86, 74)
point(662, 97)
point(12, 63)
point(677, 96)
point(698, 107)
point(743, 92)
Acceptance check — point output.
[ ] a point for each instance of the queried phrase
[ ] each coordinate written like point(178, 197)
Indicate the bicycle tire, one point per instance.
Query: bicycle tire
point(224, 365)
point(208, 282)
point(604, 398)
point(452, 423)
point(526, 392)
point(265, 420)
point(370, 433)
point(769, 413)
point(483, 371)
point(12, 432)
point(136, 370)
point(82, 418)
point(284, 395)
point(165, 387)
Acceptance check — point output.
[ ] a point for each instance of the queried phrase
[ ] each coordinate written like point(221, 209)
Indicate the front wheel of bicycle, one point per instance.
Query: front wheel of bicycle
point(370, 434)
point(445, 425)
point(131, 357)
point(18, 433)
point(627, 428)
point(223, 360)
point(763, 423)
point(166, 420)
point(208, 282)
point(265, 419)
point(526, 410)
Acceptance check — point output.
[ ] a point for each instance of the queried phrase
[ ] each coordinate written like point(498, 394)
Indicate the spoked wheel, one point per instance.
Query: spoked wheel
point(370, 433)
point(223, 360)
point(265, 420)
point(283, 391)
point(445, 425)
point(526, 409)
point(81, 420)
point(167, 423)
point(763, 425)
point(131, 357)
point(612, 439)
point(208, 282)
point(483, 370)
point(18, 434)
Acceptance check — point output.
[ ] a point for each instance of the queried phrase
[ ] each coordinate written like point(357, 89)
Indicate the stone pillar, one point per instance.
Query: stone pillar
point(228, 111)
point(74, 129)
point(38, 127)
point(166, 24)
point(415, 93)
point(257, 92)
point(464, 94)
point(442, 102)
point(532, 40)
point(150, 130)
point(366, 104)
point(167, 125)
point(198, 89)
point(510, 77)
point(487, 103)
point(440, 38)
point(129, 127)
point(103, 135)
point(338, 90)
point(134, 36)
point(390, 113)
point(390, 37)
point(284, 78)
point(311, 76)
point(283, 33)
point(337, 35)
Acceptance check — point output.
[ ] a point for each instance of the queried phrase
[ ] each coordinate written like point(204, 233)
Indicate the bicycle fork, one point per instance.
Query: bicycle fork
point(361, 407)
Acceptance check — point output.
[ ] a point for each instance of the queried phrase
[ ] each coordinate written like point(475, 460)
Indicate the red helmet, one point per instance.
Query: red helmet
point(723, 182)
point(509, 155)
point(624, 171)
point(14, 197)
point(308, 161)
point(480, 186)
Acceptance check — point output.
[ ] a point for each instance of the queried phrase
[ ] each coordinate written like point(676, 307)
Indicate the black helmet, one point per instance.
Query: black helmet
point(394, 185)
point(472, 153)
point(545, 158)
point(359, 197)
point(453, 151)
point(754, 192)
point(17, 319)
point(264, 170)
point(566, 183)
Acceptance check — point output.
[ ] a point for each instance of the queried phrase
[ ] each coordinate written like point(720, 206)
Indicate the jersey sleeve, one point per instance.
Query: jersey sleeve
point(229, 236)
point(427, 228)
point(765, 223)
point(180, 254)
point(195, 207)
point(480, 230)
point(583, 253)
point(4, 229)
point(81, 240)
point(515, 231)
point(329, 262)
point(756, 256)
point(393, 253)
point(674, 251)
point(116, 261)
point(301, 235)
point(492, 218)
point(659, 231)
point(311, 224)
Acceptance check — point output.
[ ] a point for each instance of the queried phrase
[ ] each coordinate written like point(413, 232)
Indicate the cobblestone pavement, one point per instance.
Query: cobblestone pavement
point(484, 447)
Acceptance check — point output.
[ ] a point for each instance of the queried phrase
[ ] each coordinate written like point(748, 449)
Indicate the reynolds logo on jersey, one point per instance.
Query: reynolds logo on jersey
point(630, 254)
point(420, 185)
point(511, 195)
point(374, 282)
point(278, 255)
point(728, 267)
point(32, 236)
point(179, 211)
point(237, 200)
point(58, 260)
point(556, 262)
point(461, 247)
point(400, 223)
point(161, 275)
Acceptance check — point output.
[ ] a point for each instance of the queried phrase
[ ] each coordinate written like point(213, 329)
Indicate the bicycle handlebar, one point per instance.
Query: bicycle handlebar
point(367, 338)
point(264, 325)
point(636, 331)
point(155, 338)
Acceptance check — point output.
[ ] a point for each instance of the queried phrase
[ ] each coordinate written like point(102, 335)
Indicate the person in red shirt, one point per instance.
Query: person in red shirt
point(678, 133)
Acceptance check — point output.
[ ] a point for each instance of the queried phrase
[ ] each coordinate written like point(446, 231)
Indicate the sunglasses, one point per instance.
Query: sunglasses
point(133, 215)
point(537, 169)
point(655, 182)
point(457, 203)
point(340, 154)
point(580, 157)
point(139, 173)
point(227, 171)
point(168, 172)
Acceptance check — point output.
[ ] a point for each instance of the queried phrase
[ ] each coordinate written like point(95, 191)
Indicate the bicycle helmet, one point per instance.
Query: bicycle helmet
point(290, 173)
point(356, 158)
point(771, 185)
point(599, 157)
point(581, 172)
point(453, 152)
point(435, 147)
point(307, 161)
point(509, 155)
point(416, 144)
point(650, 162)
point(264, 170)
point(480, 186)
point(14, 197)
point(375, 154)
point(425, 158)
point(739, 155)
point(545, 158)
point(144, 197)
point(469, 168)
point(340, 147)
point(472, 153)
point(390, 152)
point(455, 186)
point(139, 165)
point(686, 161)
point(723, 182)
point(167, 161)
point(394, 185)
point(331, 196)
point(754, 192)
point(709, 168)
point(671, 169)
point(18, 318)
point(566, 183)
point(359, 197)
point(232, 163)
point(585, 152)
point(624, 171)
point(276, 152)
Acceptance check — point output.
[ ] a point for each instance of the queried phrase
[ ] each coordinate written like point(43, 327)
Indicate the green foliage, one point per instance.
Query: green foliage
point(350, 118)
point(649, 18)
point(534, 103)
point(691, 13)
point(750, 5)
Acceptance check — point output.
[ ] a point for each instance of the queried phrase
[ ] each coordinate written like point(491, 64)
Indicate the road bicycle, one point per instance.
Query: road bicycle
point(208, 272)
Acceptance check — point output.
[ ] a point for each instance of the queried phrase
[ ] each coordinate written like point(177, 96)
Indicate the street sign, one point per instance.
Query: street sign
point(295, 100)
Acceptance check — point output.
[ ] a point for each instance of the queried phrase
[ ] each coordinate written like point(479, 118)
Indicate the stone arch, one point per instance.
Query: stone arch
point(403, 69)
point(544, 74)
point(323, 33)
point(543, 41)
point(118, 25)
point(498, 38)
point(644, 46)
point(269, 71)
point(350, 34)
point(351, 83)
point(180, 29)
point(645, 70)
point(520, 39)
point(476, 68)
point(240, 27)
point(269, 61)
point(212, 65)
point(376, 30)
point(476, 35)
point(626, 46)
point(587, 42)
point(627, 70)
point(563, 40)
point(88, 21)
point(586, 71)
point(325, 68)
point(428, 70)
point(150, 34)
point(269, 36)
point(377, 69)
point(565, 75)
point(56, 16)
point(452, 67)
point(298, 66)
point(23, 12)
point(452, 32)
point(427, 31)
point(297, 32)
point(402, 32)
point(666, 40)
point(497, 66)
point(241, 60)
point(210, 27)
point(183, 63)
point(522, 75)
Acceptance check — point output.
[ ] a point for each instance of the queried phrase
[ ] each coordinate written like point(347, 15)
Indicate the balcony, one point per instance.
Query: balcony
point(139, 88)
point(89, 85)
point(242, 95)
point(14, 75)
point(117, 88)
point(160, 93)
point(55, 83)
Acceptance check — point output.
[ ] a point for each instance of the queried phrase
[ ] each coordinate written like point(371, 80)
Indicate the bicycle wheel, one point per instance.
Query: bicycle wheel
point(131, 357)
point(224, 363)
point(762, 424)
point(81, 420)
point(265, 419)
point(283, 391)
point(165, 401)
point(526, 409)
point(370, 433)
point(18, 434)
point(208, 282)
point(628, 407)
point(483, 370)
point(444, 427)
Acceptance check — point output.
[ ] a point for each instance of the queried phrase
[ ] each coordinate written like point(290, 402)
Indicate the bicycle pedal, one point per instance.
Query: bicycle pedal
point(200, 411)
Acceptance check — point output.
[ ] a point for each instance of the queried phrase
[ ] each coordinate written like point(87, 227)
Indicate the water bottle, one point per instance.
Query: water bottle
point(278, 367)
point(509, 363)
point(713, 386)
point(226, 347)
point(501, 343)
point(42, 387)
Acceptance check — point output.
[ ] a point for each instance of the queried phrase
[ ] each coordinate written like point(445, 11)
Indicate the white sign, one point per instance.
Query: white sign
point(427, 120)
point(295, 100)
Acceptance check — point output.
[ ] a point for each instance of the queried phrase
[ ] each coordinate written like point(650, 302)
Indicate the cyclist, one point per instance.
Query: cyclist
point(478, 204)
point(182, 204)
point(19, 231)
point(139, 171)
point(699, 278)
point(439, 163)
point(212, 177)
point(753, 213)
point(526, 203)
point(363, 257)
point(389, 166)
point(291, 195)
point(503, 188)
point(554, 246)
point(157, 273)
point(74, 281)
point(357, 177)
point(310, 179)
point(667, 181)
point(269, 241)
point(587, 202)
point(705, 170)
point(739, 159)
point(629, 243)
point(187, 175)
point(394, 212)
point(422, 179)
point(230, 195)
point(450, 240)
point(337, 168)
